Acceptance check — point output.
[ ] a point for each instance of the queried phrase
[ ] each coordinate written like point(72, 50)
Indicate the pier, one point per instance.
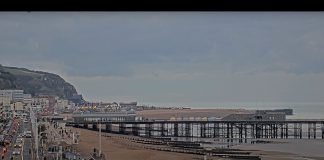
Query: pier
point(222, 129)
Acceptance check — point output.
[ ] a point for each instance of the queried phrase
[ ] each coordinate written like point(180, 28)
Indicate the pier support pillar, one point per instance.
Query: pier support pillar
point(232, 133)
point(258, 131)
point(245, 132)
point(309, 130)
point(241, 133)
point(135, 129)
point(314, 130)
point(286, 130)
point(228, 130)
point(162, 129)
point(300, 130)
point(176, 129)
point(95, 127)
point(322, 130)
point(148, 129)
point(203, 130)
point(187, 130)
point(108, 128)
point(216, 130)
point(122, 128)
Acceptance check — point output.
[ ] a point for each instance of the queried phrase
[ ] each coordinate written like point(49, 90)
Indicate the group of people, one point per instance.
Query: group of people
point(63, 133)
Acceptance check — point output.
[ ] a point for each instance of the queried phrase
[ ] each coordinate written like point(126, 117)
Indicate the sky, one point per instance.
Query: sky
point(188, 58)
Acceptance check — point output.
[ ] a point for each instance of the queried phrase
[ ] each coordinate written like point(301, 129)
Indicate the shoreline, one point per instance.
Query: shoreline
point(287, 149)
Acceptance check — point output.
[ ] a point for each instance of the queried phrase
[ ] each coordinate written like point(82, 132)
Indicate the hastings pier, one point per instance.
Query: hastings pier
point(223, 129)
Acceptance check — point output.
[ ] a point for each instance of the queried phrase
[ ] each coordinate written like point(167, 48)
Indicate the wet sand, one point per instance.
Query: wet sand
point(288, 149)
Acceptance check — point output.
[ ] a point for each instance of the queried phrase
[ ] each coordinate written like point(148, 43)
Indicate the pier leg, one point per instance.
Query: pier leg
point(322, 130)
point(309, 130)
point(253, 131)
point(227, 130)
point(135, 129)
point(203, 130)
point(245, 132)
point(108, 128)
point(176, 129)
point(281, 131)
point(241, 133)
point(216, 130)
point(295, 130)
point(314, 130)
point(95, 127)
point(258, 131)
point(162, 130)
point(122, 128)
point(266, 131)
point(148, 129)
point(187, 130)
point(232, 132)
point(300, 130)
point(276, 130)
point(286, 129)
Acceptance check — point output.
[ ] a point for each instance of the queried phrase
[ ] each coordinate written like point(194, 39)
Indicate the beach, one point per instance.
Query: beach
point(114, 147)
point(179, 113)
point(121, 149)
point(287, 149)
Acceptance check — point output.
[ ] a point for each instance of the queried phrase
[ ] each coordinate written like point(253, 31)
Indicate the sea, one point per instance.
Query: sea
point(307, 110)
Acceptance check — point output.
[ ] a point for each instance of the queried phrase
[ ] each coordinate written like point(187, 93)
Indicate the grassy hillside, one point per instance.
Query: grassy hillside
point(35, 82)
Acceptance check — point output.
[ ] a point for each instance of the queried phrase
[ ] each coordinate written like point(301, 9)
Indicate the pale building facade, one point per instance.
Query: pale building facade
point(15, 95)
point(40, 103)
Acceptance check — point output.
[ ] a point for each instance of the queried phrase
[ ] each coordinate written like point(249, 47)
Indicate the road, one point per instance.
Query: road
point(9, 155)
point(27, 148)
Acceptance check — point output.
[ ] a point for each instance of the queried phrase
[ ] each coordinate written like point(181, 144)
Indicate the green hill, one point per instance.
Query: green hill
point(35, 82)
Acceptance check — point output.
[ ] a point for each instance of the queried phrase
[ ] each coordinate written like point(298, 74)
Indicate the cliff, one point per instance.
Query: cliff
point(35, 82)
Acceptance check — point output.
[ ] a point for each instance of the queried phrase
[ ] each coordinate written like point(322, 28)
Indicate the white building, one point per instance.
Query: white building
point(17, 106)
point(5, 100)
point(15, 95)
point(27, 98)
point(62, 104)
point(40, 103)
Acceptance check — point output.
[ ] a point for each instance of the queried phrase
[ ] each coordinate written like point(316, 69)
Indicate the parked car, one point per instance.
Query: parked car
point(16, 151)
point(28, 134)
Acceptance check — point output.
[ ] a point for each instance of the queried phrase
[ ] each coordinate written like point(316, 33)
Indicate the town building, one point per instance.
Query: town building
point(62, 104)
point(40, 102)
point(5, 100)
point(14, 95)
point(17, 106)
point(128, 106)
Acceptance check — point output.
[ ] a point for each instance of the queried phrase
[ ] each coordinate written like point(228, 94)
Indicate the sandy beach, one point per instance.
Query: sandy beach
point(120, 149)
point(115, 147)
point(167, 114)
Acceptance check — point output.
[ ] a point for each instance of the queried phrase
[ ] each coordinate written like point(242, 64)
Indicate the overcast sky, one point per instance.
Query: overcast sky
point(173, 57)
